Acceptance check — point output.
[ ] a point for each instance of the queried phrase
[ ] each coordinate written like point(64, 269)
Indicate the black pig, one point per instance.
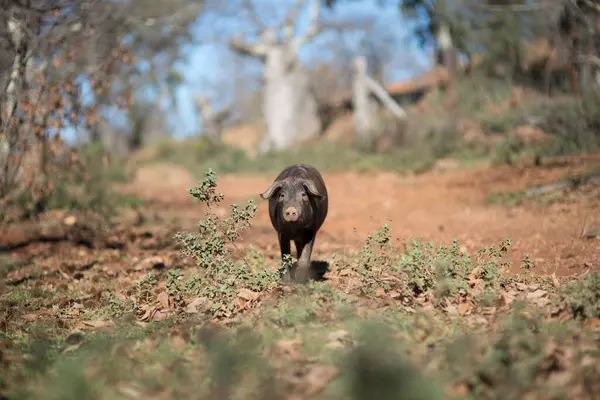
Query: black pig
point(297, 207)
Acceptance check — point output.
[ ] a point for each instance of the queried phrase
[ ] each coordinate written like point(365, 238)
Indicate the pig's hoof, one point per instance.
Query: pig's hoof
point(302, 274)
point(285, 273)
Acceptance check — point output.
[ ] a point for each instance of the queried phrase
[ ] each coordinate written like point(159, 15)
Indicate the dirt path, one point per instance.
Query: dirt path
point(433, 206)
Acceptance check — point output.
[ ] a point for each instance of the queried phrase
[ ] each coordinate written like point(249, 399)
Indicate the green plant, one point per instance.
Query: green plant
point(583, 296)
point(527, 262)
point(376, 370)
point(220, 277)
point(574, 124)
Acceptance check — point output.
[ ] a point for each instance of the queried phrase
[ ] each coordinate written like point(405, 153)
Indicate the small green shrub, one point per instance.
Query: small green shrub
point(84, 185)
point(220, 278)
point(583, 296)
point(575, 124)
point(376, 369)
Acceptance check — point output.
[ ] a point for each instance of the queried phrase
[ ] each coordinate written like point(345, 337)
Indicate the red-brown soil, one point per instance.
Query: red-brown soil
point(436, 206)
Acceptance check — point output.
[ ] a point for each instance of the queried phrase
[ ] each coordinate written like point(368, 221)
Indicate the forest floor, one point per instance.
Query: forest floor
point(119, 312)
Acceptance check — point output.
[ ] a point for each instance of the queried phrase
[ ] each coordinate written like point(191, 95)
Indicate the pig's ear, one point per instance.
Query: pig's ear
point(311, 188)
point(275, 186)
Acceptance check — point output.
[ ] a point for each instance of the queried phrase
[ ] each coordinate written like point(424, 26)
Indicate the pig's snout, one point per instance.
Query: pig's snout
point(291, 214)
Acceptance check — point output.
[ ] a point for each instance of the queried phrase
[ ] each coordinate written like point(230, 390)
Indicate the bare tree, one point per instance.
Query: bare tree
point(578, 29)
point(365, 110)
point(289, 107)
point(212, 119)
point(62, 63)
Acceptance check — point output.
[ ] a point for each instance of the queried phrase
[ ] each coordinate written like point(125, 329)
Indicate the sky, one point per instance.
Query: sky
point(200, 73)
point(208, 68)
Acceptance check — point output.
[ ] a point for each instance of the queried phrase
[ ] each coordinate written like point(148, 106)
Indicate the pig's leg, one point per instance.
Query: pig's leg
point(304, 248)
point(284, 247)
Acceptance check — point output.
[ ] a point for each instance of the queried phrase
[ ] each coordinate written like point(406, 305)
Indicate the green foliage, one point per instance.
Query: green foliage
point(575, 125)
point(572, 124)
point(220, 277)
point(426, 269)
point(84, 187)
point(583, 296)
point(506, 365)
point(396, 347)
point(92, 189)
point(417, 154)
point(376, 370)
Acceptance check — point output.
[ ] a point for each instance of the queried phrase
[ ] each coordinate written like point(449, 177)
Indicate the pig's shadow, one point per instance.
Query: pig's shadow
point(318, 269)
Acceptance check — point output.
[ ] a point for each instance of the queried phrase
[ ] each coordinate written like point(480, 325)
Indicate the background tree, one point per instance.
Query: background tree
point(289, 108)
point(64, 64)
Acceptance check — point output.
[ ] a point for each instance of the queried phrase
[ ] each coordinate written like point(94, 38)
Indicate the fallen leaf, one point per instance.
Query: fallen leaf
point(475, 273)
point(379, 292)
point(521, 286)
point(459, 390)
point(335, 345)
point(71, 348)
point(160, 315)
point(345, 272)
point(30, 317)
point(505, 299)
point(336, 339)
point(289, 348)
point(395, 295)
point(178, 342)
point(98, 323)
point(588, 360)
point(248, 295)
point(488, 310)
point(150, 263)
point(201, 304)
point(464, 308)
point(241, 304)
point(163, 299)
point(537, 294)
point(149, 313)
point(592, 323)
point(318, 377)
point(559, 378)
point(450, 308)
point(555, 281)
point(70, 220)
point(130, 392)
point(338, 335)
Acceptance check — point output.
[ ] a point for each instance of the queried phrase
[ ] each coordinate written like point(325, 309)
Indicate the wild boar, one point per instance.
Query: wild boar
point(298, 205)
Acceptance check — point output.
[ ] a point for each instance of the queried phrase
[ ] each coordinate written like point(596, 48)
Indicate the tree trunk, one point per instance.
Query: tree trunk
point(362, 109)
point(586, 69)
point(447, 47)
point(15, 29)
point(289, 107)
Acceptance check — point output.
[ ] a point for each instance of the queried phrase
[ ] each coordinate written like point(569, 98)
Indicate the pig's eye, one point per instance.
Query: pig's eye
point(304, 195)
point(281, 196)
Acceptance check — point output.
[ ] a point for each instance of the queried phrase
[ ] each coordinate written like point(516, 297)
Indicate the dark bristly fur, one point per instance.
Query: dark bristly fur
point(297, 207)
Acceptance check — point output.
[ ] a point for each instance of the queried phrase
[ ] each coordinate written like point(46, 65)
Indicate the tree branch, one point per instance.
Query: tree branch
point(385, 98)
point(290, 20)
point(592, 5)
point(254, 16)
point(15, 29)
point(589, 59)
point(314, 27)
point(238, 45)
point(177, 17)
point(534, 6)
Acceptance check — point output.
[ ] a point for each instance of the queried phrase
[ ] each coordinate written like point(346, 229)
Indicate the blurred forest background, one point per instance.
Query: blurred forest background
point(93, 89)
point(460, 144)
